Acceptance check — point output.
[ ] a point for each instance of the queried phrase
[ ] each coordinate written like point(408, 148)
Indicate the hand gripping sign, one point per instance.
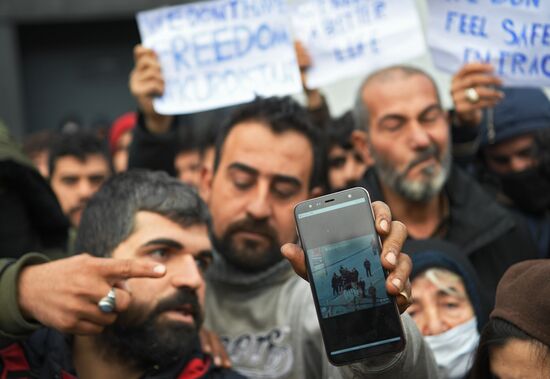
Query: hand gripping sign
point(513, 35)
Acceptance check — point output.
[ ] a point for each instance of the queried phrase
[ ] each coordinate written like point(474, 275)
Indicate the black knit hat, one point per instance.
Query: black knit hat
point(522, 111)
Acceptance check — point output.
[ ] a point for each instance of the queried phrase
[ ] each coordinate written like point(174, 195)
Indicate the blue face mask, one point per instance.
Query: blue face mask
point(454, 349)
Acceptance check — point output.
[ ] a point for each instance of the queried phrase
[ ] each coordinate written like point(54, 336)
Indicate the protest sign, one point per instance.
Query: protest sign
point(220, 53)
point(350, 37)
point(513, 35)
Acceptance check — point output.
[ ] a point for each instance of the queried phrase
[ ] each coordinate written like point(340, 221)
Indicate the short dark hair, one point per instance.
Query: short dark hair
point(79, 144)
point(340, 129)
point(37, 143)
point(280, 114)
point(498, 332)
point(110, 214)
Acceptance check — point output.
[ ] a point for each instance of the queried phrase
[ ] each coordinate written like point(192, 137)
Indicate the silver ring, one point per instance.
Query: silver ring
point(108, 303)
point(471, 95)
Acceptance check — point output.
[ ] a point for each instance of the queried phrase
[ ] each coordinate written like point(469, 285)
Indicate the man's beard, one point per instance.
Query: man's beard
point(416, 190)
point(150, 342)
point(249, 255)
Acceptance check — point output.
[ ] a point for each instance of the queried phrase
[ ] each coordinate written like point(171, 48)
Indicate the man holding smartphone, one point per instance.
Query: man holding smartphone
point(268, 158)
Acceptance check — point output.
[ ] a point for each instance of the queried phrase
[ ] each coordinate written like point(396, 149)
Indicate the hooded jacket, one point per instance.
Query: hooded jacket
point(436, 253)
point(484, 231)
point(268, 323)
point(30, 218)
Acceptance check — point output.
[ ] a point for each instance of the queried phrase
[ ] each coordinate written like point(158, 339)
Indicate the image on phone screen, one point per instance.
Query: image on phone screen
point(348, 276)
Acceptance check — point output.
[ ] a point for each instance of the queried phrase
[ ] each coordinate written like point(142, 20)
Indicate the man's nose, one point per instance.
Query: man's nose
point(85, 188)
point(433, 325)
point(259, 206)
point(186, 273)
point(419, 137)
point(519, 164)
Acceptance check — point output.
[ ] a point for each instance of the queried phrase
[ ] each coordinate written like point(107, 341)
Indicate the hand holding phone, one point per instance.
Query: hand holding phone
point(350, 286)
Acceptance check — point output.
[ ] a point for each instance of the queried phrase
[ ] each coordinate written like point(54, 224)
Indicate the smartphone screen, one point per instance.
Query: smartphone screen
point(358, 318)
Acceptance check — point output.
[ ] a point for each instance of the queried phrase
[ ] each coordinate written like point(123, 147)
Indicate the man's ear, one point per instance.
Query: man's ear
point(205, 184)
point(360, 142)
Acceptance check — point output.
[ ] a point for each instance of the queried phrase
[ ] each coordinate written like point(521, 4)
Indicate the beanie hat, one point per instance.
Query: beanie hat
point(121, 125)
point(522, 111)
point(435, 253)
point(523, 298)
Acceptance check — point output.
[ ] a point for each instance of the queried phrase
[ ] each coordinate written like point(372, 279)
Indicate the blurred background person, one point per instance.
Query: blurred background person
point(447, 306)
point(120, 138)
point(515, 344)
point(188, 160)
point(36, 146)
point(78, 165)
point(346, 166)
point(505, 143)
point(30, 216)
point(514, 158)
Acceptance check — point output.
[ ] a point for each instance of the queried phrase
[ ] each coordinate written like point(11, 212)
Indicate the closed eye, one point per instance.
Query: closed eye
point(204, 260)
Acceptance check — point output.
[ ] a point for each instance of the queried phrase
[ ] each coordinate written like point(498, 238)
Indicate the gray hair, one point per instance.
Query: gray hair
point(360, 110)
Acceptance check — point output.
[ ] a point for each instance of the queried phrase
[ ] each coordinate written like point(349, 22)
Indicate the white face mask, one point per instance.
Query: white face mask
point(454, 349)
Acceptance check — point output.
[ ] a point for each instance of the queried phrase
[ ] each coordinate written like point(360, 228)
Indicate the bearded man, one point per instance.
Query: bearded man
point(134, 309)
point(404, 128)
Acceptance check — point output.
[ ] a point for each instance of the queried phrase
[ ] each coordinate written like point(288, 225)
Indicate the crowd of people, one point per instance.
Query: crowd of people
point(166, 248)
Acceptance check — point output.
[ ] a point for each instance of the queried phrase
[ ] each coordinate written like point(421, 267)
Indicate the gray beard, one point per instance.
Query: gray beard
point(418, 191)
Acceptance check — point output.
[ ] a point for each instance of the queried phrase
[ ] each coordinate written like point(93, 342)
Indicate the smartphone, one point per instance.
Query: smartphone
point(358, 318)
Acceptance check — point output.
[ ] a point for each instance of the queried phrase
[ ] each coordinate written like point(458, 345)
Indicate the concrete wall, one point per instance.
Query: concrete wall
point(66, 57)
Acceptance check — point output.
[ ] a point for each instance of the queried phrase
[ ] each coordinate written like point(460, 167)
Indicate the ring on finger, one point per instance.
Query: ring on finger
point(405, 292)
point(107, 304)
point(471, 95)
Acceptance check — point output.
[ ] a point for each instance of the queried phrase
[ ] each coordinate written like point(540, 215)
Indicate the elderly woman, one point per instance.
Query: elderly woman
point(446, 304)
point(515, 344)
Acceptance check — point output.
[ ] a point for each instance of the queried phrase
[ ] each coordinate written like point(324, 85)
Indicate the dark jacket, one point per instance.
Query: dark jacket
point(153, 151)
point(30, 216)
point(47, 354)
point(488, 234)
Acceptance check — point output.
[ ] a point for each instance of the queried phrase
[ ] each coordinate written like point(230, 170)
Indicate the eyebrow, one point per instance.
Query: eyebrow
point(242, 167)
point(165, 242)
point(252, 171)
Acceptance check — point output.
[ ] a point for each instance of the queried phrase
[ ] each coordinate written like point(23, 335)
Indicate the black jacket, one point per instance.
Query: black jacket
point(46, 354)
point(154, 151)
point(31, 218)
point(489, 235)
